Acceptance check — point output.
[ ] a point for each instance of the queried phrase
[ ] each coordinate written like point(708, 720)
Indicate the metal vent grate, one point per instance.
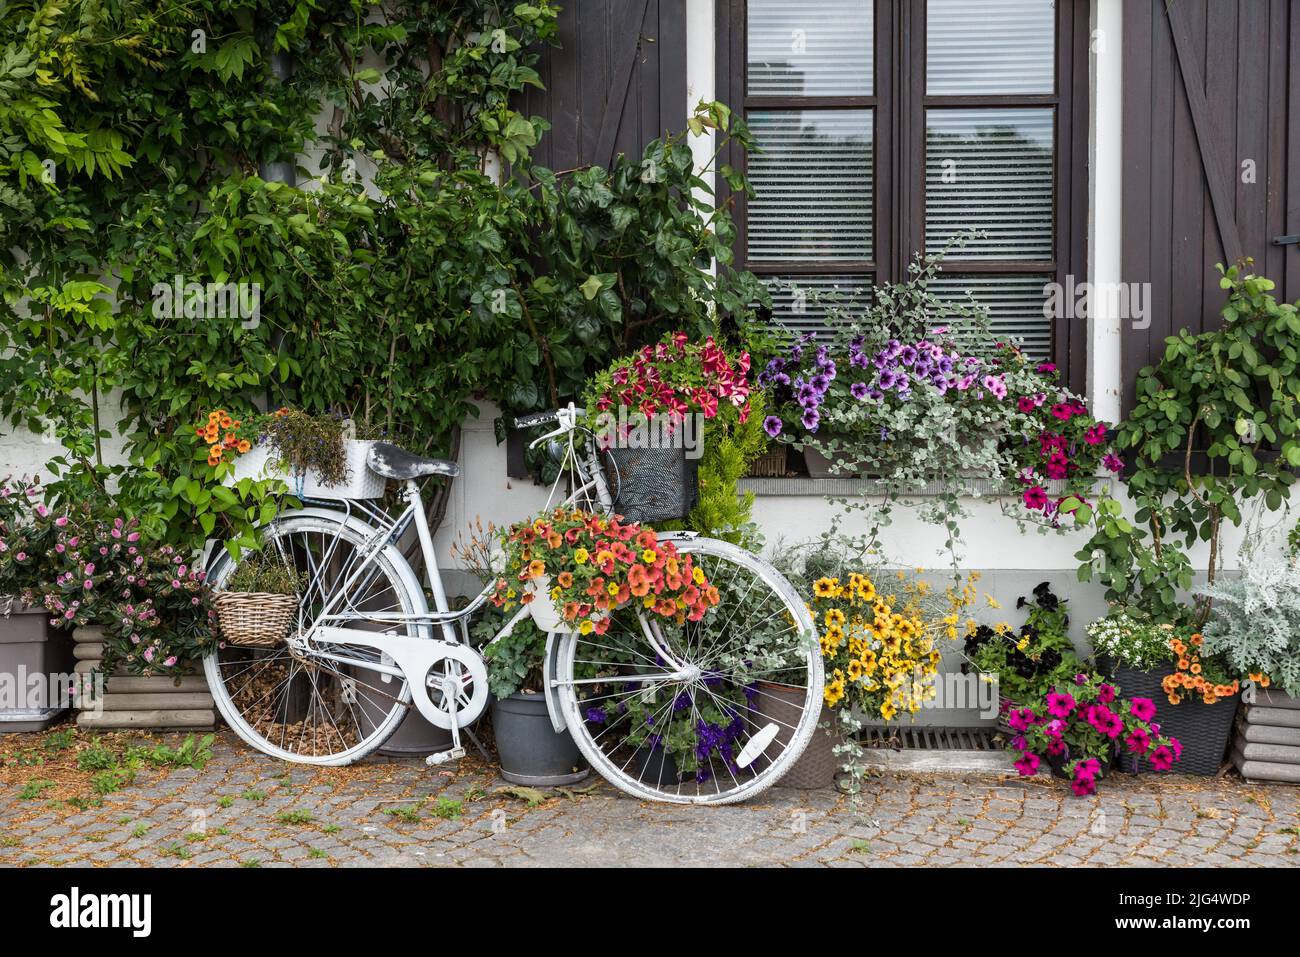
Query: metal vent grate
point(930, 739)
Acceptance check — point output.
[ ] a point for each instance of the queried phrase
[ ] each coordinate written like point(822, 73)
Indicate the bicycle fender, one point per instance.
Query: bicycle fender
point(553, 645)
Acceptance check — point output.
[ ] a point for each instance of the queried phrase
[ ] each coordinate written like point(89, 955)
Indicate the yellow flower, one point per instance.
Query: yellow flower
point(612, 588)
point(604, 556)
point(586, 627)
point(993, 602)
point(887, 710)
point(834, 617)
point(826, 587)
point(580, 556)
point(697, 574)
point(649, 555)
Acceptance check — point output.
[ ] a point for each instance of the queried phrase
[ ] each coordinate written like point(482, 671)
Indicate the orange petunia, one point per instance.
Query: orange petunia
point(1174, 699)
point(244, 446)
point(1197, 639)
point(1184, 664)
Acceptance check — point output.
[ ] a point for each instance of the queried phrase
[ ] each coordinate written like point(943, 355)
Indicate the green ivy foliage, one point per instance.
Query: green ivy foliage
point(402, 278)
point(1216, 425)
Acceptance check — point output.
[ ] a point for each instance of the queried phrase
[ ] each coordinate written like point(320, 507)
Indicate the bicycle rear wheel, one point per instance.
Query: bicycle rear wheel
point(707, 712)
point(296, 705)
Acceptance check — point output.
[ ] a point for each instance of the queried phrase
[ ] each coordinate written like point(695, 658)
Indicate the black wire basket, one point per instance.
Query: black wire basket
point(652, 485)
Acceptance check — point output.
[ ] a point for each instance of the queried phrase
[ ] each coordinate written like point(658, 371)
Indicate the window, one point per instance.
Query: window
point(892, 126)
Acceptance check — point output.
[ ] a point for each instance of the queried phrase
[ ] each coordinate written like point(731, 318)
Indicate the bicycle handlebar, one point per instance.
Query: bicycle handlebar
point(542, 418)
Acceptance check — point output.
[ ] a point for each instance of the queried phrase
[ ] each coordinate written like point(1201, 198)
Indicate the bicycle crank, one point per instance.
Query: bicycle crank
point(448, 682)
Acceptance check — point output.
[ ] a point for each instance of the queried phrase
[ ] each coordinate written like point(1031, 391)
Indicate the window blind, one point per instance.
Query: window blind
point(990, 169)
point(990, 46)
point(811, 48)
point(1014, 302)
point(813, 179)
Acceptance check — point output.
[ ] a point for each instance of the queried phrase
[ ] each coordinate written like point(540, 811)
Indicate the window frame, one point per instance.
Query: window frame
point(899, 103)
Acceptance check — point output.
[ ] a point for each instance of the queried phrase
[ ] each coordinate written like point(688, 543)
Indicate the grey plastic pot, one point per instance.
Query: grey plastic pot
point(529, 749)
point(29, 646)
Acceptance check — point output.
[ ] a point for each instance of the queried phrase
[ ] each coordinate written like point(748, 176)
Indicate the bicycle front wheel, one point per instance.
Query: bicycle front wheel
point(298, 706)
point(707, 712)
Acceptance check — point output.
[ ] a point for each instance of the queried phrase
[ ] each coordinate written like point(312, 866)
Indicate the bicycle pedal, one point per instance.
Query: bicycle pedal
point(443, 757)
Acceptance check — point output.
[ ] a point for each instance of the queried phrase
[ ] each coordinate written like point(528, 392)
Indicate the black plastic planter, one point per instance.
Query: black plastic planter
point(1202, 729)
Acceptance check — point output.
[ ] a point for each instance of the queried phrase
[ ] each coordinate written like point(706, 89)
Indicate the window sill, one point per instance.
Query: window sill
point(803, 486)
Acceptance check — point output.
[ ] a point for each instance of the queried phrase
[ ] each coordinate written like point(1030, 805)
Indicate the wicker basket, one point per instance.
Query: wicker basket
point(254, 618)
point(1202, 729)
point(771, 464)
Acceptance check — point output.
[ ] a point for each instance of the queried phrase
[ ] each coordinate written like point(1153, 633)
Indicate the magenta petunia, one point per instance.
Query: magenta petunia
point(1060, 704)
point(1162, 758)
point(1138, 741)
point(1028, 764)
point(1144, 709)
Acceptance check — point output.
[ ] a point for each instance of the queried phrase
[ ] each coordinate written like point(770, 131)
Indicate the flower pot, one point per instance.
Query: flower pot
point(529, 749)
point(816, 767)
point(821, 467)
point(30, 647)
point(545, 615)
point(259, 465)
point(1202, 729)
point(653, 485)
point(656, 766)
point(255, 619)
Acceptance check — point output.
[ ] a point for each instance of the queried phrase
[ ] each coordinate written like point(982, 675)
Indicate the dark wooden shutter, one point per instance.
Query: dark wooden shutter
point(1208, 84)
point(616, 82)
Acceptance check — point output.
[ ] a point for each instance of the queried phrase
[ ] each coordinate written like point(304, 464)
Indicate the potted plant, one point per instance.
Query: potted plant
point(897, 395)
point(1255, 629)
point(28, 643)
point(638, 409)
point(574, 571)
point(317, 456)
point(1077, 728)
point(1168, 663)
point(879, 637)
point(257, 605)
point(1027, 663)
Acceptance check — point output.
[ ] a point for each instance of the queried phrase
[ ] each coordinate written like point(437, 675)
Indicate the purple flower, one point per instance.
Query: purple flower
point(772, 426)
point(811, 420)
point(858, 390)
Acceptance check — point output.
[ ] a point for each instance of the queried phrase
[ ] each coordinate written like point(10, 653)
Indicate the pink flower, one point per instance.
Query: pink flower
point(1138, 741)
point(1082, 787)
point(1088, 768)
point(1021, 719)
point(1035, 498)
point(1106, 694)
point(170, 661)
point(1162, 759)
point(1063, 411)
point(1028, 764)
point(1060, 705)
point(1095, 435)
point(1144, 709)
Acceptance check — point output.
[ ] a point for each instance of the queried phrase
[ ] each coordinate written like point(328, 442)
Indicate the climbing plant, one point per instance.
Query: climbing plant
point(420, 260)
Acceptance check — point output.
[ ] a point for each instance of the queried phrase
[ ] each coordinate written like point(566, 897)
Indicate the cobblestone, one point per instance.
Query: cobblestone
point(177, 819)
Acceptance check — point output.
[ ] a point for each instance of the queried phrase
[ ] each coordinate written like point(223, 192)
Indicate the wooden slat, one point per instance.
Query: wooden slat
point(1206, 134)
point(624, 48)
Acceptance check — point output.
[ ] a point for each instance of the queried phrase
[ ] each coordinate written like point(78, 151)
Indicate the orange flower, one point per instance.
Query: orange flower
point(244, 446)
point(1174, 699)
point(536, 568)
point(1263, 681)
point(1196, 667)
point(566, 579)
point(1179, 648)
point(226, 421)
point(1184, 664)
point(1197, 639)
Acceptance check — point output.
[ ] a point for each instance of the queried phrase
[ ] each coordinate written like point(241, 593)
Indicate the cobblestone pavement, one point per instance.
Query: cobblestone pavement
point(244, 809)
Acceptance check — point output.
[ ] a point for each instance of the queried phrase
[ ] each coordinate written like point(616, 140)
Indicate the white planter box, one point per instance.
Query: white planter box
point(360, 482)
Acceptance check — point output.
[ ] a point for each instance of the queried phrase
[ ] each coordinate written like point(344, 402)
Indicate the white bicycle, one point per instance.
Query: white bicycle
point(706, 712)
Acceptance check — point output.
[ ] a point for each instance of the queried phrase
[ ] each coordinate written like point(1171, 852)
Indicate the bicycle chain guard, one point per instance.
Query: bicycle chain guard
point(418, 658)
